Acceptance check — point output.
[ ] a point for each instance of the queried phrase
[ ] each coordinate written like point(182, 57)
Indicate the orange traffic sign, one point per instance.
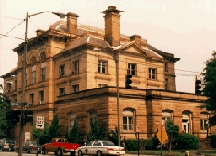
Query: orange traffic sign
point(162, 135)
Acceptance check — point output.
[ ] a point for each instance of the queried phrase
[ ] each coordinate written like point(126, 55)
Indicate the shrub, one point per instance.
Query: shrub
point(132, 144)
point(213, 141)
point(187, 141)
point(149, 144)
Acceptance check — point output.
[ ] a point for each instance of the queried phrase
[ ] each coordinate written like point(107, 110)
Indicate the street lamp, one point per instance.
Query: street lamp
point(24, 76)
point(115, 56)
point(207, 129)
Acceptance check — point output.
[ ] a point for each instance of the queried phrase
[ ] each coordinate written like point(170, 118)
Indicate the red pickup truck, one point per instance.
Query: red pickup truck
point(59, 146)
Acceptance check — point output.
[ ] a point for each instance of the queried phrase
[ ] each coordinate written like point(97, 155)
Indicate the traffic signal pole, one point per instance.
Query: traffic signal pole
point(23, 88)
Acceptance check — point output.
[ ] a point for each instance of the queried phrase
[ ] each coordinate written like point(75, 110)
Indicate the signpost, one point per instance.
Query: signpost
point(40, 122)
point(138, 131)
point(39, 125)
point(162, 136)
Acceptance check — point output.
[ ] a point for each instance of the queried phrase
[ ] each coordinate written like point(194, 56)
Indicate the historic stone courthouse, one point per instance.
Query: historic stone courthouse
point(79, 73)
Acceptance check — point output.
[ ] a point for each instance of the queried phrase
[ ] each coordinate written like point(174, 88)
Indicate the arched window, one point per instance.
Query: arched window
point(42, 56)
point(33, 60)
point(186, 122)
point(128, 120)
point(166, 115)
point(71, 120)
point(203, 121)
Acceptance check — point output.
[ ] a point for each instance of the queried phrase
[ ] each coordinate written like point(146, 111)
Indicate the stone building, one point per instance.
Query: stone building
point(79, 73)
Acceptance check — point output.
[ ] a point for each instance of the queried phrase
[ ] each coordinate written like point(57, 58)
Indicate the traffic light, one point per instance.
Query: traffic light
point(15, 116)
point(197, 86)
point(27, 116)
point(128, 81)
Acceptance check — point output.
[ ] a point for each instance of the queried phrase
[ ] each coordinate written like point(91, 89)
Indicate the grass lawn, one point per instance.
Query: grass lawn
point(173, 152)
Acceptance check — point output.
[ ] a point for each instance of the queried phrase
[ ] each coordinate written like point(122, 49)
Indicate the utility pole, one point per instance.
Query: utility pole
point(23, 88)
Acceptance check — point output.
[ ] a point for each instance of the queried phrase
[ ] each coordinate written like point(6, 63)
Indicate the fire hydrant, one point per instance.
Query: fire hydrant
point(187, 153)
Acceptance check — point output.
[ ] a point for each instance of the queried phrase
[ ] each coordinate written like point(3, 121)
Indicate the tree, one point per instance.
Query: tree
point(73, 135)
point(172, 132)
point(210, 87)
point(96, 132)
point(4, 108)
point(112, 135)
point(42, 135)
point(53, 131)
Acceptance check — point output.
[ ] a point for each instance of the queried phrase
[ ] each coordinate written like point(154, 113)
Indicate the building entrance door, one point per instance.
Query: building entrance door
point(185, 125)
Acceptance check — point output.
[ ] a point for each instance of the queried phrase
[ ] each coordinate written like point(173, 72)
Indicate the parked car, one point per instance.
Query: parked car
point(99, 148)
point(7, 144)
point(59, 146)
point(30, 147)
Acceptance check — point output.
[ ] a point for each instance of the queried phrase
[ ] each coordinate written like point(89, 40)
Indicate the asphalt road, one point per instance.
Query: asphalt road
point(8, 153)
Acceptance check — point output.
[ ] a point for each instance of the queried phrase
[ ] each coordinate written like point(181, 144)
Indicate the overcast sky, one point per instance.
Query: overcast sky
point(186, 28)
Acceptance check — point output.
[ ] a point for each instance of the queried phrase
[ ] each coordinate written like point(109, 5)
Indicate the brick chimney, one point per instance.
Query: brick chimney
point(137, 39)
point(72, 23)
point(112, 26)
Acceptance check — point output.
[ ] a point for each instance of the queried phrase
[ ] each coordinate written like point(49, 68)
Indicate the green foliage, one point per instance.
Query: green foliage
point(41, 134)
point(4, 107)
point(54, 128)
point(152, 143)
point(73, 136)
point(187, 141)
point(149, 144)
point(112, 135)
point(210, 87)
point(97, 132)
point(213, 141)
point(132, 144)
point(172, 132)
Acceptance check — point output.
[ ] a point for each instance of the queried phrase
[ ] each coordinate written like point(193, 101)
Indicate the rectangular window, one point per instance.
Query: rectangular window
point(75, 88)
point(152, 73)
point(203, 124)
point(33, 77)
point(128, 123)
point(102, 66)
point(15, 84)
point(166, 84)
point(75, 67)
point(43, 74)
point(31, 101)
point(61, 91)
point(61, 71)
point(166, 66)
point(41, 97)
point(102, 85)
point(131, 69)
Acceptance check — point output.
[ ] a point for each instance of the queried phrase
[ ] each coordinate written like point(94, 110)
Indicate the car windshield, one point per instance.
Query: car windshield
point(108, 143)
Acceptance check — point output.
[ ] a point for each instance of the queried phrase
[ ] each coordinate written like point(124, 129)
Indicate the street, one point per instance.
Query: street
point(9, 153)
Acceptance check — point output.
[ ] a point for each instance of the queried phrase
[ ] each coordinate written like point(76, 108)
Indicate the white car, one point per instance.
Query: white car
point(99, 148)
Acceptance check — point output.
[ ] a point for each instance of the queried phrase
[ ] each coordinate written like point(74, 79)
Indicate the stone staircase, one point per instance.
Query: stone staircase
point(205, 144)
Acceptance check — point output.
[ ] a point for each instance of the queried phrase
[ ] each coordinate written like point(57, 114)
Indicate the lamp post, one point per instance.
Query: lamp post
point(115, 56)
point(24, 77)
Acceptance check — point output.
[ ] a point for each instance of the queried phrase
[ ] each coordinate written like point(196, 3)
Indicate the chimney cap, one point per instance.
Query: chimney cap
point(72, 14)
point(111, 9)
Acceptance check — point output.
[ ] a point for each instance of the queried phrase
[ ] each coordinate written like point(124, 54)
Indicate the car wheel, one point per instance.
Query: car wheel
point(44, 151)
point(99, 153)
point(80, 153)
point(72, 153)
point(59, 152)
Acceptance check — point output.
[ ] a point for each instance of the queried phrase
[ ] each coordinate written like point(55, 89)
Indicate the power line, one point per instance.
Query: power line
point(11, 17)
point(11, 37)
point(15, 27)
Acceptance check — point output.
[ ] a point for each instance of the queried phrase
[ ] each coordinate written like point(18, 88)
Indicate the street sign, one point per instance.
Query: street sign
point(40, 122)
point(162, 135)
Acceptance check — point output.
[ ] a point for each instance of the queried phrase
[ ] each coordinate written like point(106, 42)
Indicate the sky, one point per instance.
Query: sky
point(186, 28)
